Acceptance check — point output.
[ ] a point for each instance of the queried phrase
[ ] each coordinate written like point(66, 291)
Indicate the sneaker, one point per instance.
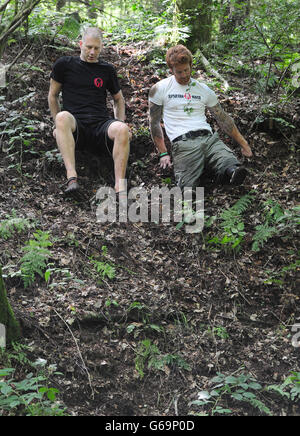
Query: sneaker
point(237, 175)
point(72, 186)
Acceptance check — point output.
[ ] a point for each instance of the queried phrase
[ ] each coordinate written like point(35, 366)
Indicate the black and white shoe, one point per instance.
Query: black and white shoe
point(237, 175)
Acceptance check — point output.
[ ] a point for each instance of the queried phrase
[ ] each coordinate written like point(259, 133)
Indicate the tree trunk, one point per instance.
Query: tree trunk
point(22, 15)
point(199, 19)
point(7, 317)
point(60, 4)
point(235, 14)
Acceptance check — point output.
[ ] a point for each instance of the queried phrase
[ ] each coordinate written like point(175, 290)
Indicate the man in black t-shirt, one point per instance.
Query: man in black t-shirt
point(84, 120)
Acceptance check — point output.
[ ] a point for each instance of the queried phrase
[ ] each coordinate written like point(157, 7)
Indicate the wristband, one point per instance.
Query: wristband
point(164, 154)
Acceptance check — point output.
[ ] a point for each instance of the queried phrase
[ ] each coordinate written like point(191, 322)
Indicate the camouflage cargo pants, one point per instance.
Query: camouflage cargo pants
point(192, 156)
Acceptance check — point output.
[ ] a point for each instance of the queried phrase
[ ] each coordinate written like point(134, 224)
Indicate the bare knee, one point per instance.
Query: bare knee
point(123, 131)
point(65, 120)
point(120, 132)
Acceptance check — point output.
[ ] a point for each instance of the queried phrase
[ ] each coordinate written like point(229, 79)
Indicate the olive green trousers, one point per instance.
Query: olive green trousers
point(192, 156)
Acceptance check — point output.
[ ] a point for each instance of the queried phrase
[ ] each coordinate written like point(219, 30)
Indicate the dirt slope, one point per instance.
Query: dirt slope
point(200, 309)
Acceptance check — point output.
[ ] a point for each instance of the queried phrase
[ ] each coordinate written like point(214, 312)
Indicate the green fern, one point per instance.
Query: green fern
point(104, 269)
point(13, 224)
point(256, 403)
point(290, 388)
point(243, 203)
point(276, 221)
point(263, 233)
point(232, 216)
point(35, 258)
point(232, 223)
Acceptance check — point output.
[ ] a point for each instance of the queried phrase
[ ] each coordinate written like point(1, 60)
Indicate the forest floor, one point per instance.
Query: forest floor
point(178, 309)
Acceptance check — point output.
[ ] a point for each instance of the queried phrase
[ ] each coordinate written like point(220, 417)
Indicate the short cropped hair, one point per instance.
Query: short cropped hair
point(94, 32)
point(178, 55)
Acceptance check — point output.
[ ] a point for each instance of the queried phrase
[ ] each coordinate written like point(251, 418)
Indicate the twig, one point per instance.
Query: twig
point(78, 350)
point(16, 58)
point(210, 69)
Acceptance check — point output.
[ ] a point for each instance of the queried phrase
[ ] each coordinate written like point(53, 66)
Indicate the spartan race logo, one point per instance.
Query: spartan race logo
point(98, 82)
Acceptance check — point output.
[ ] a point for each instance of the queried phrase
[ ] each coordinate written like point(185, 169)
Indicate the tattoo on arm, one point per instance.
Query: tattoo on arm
point(155, 118)
point(225, 122)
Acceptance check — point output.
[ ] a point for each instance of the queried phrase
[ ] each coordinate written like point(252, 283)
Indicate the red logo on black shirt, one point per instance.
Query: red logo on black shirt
point(98, 82)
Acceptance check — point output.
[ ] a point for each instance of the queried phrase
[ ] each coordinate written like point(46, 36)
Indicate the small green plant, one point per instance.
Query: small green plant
point(53, 156)
point(233, 225)
point(149, 352)
point(219, 332)
point(20, 134)
point(110, 302)
point(13, 224)
point(167, 181)
point(60, 278)
point(104, 268)
point(144, 323)
point(138, 327)
point(243, 387)
point(35, 258)
point(31, 396)
point(276, 222)
point(290, 388)
point(16, 353)
point(278, 277)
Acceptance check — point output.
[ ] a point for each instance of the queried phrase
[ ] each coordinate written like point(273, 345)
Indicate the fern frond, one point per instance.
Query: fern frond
point(263, 233)
point(232, 223)
point(233, 213)
point(35, 258)
point(13, 224)
point(255, 402)
point(243, 203)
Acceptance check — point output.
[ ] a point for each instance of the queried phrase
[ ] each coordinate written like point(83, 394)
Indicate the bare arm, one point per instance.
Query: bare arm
point(119, 106)
point(227, 124)
point(155, 115)
point(53, 101)
point(155, 127)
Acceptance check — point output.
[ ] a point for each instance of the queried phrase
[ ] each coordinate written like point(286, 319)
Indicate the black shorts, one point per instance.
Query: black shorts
point(93, 136)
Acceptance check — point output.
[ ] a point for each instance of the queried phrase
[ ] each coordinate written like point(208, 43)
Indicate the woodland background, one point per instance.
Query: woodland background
point(145, 319)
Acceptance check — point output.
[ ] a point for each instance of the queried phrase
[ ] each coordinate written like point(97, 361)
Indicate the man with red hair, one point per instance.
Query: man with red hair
point(180, 102)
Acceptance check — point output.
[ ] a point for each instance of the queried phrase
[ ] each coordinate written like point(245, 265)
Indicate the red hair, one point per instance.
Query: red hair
point(178, 55)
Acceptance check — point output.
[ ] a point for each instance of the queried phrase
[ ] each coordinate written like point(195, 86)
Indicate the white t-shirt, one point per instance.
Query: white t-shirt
point(183, 105)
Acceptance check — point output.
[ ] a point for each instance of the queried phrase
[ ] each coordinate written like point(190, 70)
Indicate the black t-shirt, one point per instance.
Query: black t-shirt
point(84, 86)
